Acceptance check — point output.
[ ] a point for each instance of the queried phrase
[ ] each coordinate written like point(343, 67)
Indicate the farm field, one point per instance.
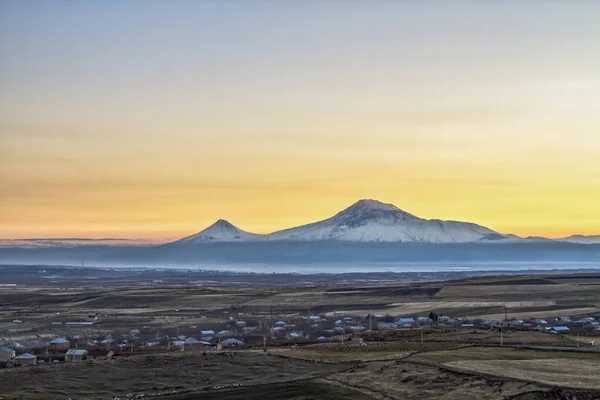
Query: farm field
point(447, 362)
point(155, 374)
point(572, 372)
point(371, 352)
point(561, 368)
point(291, 391)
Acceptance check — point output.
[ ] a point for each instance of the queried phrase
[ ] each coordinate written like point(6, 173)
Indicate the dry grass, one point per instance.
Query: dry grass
point(576, 373)
point(341, 356)
point(399, 380)
point(487, 291)
point(499, 353)
point(152, 374)
point(543, 314)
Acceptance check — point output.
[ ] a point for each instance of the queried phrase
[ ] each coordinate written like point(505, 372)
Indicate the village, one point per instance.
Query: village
point(244, 331)
point(183, 338)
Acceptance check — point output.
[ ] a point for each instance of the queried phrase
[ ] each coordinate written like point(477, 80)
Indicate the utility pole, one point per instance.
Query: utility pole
point(505, 313)
point(501, 338)
point(421, 335)
point(578, 340)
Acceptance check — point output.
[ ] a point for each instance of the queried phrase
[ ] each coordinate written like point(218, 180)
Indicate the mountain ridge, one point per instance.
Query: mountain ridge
point(366, 220)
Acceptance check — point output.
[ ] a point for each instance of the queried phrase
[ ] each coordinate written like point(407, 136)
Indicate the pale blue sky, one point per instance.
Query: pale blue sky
point(175, 113)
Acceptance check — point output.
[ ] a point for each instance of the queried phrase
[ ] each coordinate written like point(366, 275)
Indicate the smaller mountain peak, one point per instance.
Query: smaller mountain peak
point(220, 231)
point(222, 222)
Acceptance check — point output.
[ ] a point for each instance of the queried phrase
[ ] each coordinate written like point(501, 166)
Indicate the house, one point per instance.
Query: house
point(356, 340)
point(357, 328)
point(406, 321)
point(6, 354)
point(249, 329)
point(560, 329)
point(503, 326)
point(232, 343)
point(100, 354)
point(208, 333)
point(255, 340)
point(75, 355)
point(59, 344)
point(191, 344)
point(279, 323)
point(25, 359)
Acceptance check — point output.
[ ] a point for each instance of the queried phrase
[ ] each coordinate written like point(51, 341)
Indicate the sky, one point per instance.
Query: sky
point(153, 119)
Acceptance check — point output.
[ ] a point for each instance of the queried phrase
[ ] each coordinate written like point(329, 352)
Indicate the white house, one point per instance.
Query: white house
point(6, 354)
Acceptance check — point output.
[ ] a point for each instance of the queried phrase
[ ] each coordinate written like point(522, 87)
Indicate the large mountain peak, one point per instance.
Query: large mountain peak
point(370, 205)
point(372, 209)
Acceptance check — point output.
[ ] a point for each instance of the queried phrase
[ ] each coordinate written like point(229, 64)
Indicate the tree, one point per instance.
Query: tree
point(433, 316)
point(388, 318)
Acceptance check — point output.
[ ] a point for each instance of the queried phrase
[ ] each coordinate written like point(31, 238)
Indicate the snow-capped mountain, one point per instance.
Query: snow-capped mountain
point(220, 231)
point(364, 221)
point(374, 221)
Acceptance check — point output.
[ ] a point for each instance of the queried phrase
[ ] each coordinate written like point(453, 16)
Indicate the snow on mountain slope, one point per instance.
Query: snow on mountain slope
point(373, 221)
point(581, 239)
point(220, 231)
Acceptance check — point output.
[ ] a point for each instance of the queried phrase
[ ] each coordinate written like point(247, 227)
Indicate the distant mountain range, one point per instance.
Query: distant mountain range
point(74, 242)
point(371, 221)
point(366, 221)
point(368, 233)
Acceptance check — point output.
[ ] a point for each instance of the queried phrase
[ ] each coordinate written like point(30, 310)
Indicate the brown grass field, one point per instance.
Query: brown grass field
point(450, 363)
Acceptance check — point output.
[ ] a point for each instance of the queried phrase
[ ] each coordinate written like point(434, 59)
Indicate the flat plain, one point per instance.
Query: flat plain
point(424, 362)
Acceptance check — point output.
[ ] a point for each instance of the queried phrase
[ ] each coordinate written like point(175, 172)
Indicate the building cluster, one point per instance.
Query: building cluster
point(239, 332)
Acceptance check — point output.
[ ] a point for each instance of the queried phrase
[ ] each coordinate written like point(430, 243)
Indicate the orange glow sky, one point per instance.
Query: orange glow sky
point(154, 119)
